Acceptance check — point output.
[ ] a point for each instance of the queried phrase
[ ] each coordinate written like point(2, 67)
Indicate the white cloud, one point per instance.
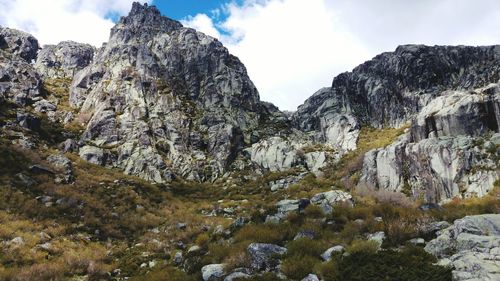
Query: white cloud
point(294, 47)
point(291, 47)
point(203, 23)
point(57, 20)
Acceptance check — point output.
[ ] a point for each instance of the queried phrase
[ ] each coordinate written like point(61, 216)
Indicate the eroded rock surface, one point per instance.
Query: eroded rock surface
point(165, 99)
point(471, 246)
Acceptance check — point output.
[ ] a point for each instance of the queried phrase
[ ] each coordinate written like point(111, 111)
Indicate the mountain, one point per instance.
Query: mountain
point(152, 157)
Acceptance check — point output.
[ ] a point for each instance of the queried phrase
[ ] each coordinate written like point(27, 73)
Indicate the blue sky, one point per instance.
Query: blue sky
point(291, 48)
point(179, 9)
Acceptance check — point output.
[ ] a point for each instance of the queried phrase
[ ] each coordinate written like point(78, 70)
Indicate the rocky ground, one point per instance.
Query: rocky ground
point(153, 158)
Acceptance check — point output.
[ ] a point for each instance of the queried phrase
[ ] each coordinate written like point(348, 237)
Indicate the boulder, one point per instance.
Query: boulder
point(44, 106)
point(291, 205)
point(28, 121)
point(63, 163)
point(212, 272)
point(68, 145)
point(332, 197)
point(19, 43)
point(378, 237)
point(25, 180)
point(265, 257)
point(237, 276)
point(327, 255)
point(178, 258)
point(417, 241)
point(40, 169)
point(309, 234)
point(311, 277)
point(92, 154)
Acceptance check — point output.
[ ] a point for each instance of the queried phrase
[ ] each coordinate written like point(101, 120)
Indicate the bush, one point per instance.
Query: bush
point(363, 246)
point(298, 267)
point(169, 273)
point(409, 264)
point(306, 247)
point(313, 211)
point(266, 233)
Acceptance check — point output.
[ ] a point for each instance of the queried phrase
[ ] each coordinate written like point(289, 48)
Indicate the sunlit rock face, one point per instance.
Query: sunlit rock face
point(163, 100)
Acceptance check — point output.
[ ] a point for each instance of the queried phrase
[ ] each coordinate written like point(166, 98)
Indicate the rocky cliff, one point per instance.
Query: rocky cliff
point(449, 98)
point(160, 101)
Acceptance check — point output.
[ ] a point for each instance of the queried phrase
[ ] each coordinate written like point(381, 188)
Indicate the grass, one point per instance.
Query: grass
point(107, 221)
point(345, 173)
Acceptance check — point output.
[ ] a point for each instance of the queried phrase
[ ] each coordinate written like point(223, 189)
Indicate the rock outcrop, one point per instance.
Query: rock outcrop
point(392, 87)
point(64, 59)
point(19, 82)
point(160, 101)
point(471, 246)
point(451, 149)
point(164, 100)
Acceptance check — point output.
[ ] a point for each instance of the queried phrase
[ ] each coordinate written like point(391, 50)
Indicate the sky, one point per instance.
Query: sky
point(291, 48)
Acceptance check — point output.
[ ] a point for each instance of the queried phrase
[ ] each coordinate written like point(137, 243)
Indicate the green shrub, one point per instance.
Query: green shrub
point(409, 264)
point(306, 247)
point(266, 233)
point(313, 211)
point(298, 267)
point(169, 273)
point(363, 246)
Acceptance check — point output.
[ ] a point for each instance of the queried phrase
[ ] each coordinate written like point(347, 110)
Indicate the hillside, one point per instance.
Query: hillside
point(153, 158)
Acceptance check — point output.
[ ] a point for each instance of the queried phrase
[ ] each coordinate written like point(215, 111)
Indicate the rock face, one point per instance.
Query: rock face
point(389, 89)
point(19, 44)
point(19, 82)
point(63, 59)
point(450, 97)
point(163, 99)
point(450, 150)
point(471, 246)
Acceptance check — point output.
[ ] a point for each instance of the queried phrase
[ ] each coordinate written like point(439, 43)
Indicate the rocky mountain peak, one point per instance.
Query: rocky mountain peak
point(144, 20)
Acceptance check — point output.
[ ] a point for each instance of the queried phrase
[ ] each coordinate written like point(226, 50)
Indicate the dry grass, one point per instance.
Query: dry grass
point(345, 173)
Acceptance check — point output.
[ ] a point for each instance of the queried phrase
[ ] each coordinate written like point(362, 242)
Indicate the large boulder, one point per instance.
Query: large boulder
point(291, 205)
point(265, 257)
point(212, 272)
point(19, 43)
point(471, 246)
point(19, 82)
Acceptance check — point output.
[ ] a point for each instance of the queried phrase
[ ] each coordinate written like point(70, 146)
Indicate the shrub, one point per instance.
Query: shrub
point(362, 246)
point(298, 267)
point(202, 239)
point(313, 211)
point(384, 196)
point(266, 233)
point(409, 264)
point(306, 247)
point(169, 273)
point(400, 224)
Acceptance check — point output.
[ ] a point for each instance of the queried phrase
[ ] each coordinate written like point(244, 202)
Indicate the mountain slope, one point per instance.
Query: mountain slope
point(162, 100)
